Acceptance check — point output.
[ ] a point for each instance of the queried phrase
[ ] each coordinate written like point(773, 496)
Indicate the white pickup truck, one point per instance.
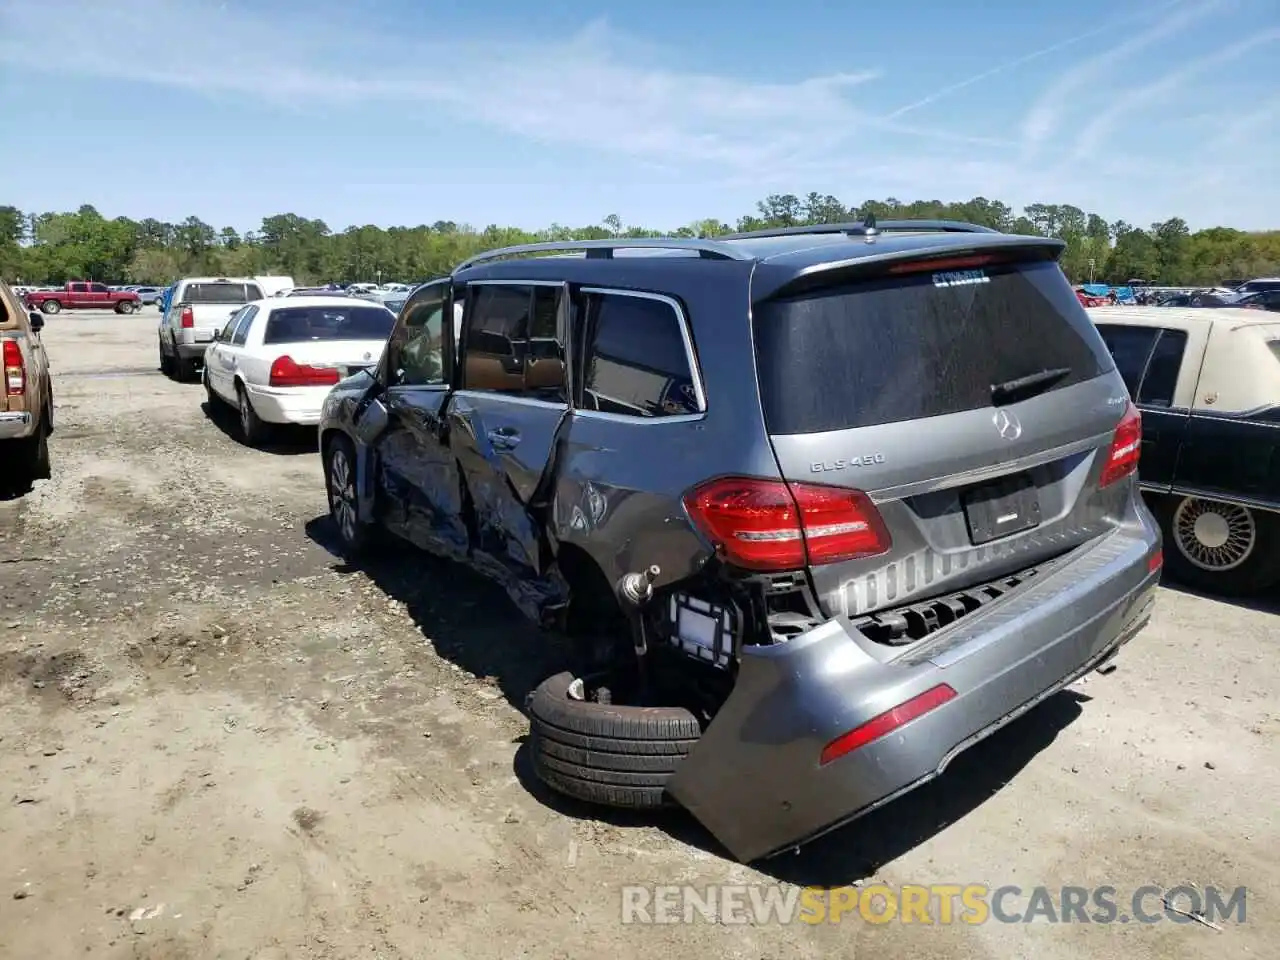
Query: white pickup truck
point(198, 309)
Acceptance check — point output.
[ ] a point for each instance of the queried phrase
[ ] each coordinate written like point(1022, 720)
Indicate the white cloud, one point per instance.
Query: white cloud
point(1041, 122)
point(606, 93)
point(1104, 124)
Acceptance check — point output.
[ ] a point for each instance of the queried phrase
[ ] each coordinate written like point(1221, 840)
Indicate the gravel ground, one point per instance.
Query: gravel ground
point(216, 740)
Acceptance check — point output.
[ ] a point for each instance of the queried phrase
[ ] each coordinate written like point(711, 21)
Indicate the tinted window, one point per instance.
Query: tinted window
point(77, 287)
point(546, 375)
point(310, 324)
point(229, 329)
point(636, 361)
point(221, 292)
point(1254, 286)
point(916, 346)
point(496, 338)
point(416, 350)
point(243, 325)
point(1131, 348)
point(1162, 369)
point(98, 288)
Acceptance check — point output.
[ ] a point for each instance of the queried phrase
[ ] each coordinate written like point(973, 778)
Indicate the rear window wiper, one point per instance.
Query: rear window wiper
point(1023, 388)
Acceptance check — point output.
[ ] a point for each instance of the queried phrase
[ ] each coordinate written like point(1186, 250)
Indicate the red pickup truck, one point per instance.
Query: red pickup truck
point(83, 296)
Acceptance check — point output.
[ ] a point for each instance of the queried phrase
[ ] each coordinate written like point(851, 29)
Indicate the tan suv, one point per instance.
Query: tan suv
point(26, 400)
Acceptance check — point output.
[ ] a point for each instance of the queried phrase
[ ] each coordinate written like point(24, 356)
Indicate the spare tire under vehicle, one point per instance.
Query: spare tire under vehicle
point(616, 756)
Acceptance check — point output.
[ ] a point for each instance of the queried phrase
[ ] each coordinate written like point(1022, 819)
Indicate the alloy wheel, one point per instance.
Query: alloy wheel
point(342, 494)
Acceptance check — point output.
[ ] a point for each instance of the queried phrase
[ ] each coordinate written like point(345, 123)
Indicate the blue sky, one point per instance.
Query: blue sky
point(397, 112)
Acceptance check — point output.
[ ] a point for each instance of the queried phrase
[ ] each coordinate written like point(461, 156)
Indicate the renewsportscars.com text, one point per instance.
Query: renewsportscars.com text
point(763, 904)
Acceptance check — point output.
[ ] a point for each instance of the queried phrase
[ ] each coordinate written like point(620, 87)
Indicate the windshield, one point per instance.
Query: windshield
point(309, 324)
point(221, 292)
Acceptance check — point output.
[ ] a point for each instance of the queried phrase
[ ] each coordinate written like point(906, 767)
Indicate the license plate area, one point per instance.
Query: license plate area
point(1001, 509)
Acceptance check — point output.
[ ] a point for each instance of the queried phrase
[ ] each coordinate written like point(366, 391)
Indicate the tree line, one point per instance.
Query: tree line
point(51, 247)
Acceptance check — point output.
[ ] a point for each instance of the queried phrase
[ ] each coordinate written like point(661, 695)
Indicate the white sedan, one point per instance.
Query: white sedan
point(276, 360)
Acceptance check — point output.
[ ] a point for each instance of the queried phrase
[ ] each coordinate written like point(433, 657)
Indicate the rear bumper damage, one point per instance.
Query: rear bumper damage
point(790, 700)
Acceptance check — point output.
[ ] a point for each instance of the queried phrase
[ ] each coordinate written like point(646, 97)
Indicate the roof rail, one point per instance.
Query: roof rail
point(604, 249)
point(865, 229)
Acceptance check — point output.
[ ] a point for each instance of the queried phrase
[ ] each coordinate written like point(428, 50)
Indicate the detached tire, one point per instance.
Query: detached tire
point(615, 756)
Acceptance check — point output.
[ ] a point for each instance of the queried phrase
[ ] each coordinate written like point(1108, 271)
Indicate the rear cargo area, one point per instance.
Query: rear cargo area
point(974, 406)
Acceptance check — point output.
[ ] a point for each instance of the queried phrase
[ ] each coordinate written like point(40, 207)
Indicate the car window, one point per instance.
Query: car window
point(917, 345)
point(496, 338)
point(221, 292)
point(415, 352)
point(227, 331)
point(359, 321)
point(77, 287)
point(98, 288)
point(242, 326)
point(1131, 349)
point(636, 362)
point(1161, 378)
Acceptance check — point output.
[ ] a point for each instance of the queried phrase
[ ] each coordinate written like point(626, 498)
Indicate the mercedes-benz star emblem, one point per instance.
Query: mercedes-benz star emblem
point(1007, 425)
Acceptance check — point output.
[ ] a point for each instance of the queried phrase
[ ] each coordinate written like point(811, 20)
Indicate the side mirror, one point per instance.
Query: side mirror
point(37, 321)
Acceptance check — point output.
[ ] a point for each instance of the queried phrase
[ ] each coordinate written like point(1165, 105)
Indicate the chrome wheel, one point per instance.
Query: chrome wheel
point(1214, 536)
point(342, 493)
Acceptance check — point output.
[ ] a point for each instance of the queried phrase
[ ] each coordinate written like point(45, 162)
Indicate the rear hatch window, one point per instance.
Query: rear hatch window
point(311, 324)
point(221, 292)
point(917, 345)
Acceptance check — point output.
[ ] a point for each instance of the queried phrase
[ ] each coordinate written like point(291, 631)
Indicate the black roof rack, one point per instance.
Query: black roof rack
point(604, 249)
point(870, 227)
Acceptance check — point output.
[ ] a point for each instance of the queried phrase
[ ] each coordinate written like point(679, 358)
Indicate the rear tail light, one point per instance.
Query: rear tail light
point(286, 373)
point(1126, 447)
point(15, 370)
point(886, 723)
point(773, 525)
point(188, 318)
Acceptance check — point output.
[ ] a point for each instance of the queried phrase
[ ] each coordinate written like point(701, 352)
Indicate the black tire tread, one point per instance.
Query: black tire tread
point(616, 756)
point(605, 795)
point(605, 759)
point(610, 722)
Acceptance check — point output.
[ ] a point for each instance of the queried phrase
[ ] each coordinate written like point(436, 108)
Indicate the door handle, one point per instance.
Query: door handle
point(503, 438)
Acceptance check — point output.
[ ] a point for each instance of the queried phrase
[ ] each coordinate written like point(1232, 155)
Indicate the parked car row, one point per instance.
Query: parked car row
point(273, 358)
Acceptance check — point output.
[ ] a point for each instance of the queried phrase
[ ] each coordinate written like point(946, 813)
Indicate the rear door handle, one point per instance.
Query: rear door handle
point(503, 438)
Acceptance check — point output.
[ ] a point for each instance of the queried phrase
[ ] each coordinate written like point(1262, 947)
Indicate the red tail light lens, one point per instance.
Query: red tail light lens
point(286, 373)
point(1126, 448)
point(15, 370)
point(886, 723)
point(188, 318)
point(773, 525)
point(944, 263)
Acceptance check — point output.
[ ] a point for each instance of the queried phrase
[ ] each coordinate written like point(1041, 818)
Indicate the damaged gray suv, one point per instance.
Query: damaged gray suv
point(826, 505)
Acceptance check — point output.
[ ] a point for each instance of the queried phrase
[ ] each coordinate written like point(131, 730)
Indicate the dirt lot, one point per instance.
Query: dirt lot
point(218, 741)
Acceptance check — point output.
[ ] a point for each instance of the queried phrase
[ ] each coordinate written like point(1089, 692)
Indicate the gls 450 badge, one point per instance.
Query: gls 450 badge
point(960, 278)
point(822, 466)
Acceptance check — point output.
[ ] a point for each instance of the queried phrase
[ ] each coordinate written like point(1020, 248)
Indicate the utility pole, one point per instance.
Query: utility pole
point(1092, 263)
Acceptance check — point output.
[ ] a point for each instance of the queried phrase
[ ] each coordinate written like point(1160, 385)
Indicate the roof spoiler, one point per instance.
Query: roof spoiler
point(947, 256)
